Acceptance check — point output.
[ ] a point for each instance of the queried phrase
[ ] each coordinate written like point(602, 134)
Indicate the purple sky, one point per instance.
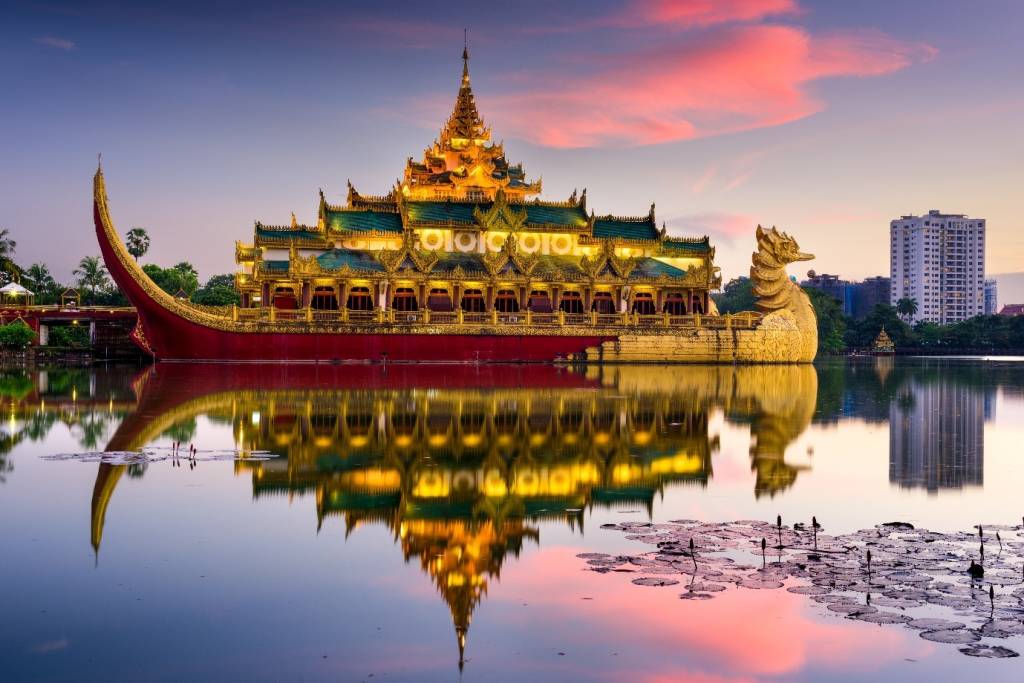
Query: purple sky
point(824, 118)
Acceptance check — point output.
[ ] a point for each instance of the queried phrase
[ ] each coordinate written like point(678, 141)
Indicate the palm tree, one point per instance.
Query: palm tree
point(138, 242)
point(92, 275)
point(37, 277)
point(906, 307)
point(7, 247)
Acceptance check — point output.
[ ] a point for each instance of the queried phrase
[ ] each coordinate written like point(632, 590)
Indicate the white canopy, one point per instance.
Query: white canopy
point(15, 289)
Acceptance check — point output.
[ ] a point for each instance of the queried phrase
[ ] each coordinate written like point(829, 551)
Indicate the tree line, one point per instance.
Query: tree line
point(838, 333)
point(93, 283)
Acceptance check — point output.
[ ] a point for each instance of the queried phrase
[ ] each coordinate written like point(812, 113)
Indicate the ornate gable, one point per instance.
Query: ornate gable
point(501, 216)
point(509, 260)
point(407, 258)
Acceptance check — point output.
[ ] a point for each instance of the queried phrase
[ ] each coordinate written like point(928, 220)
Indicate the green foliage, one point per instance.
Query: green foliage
point(860, 334)
point(9, 270)
point(216, 296)
point(995, 332)
point(831, 321)
point(37, 278)
point(92, 278)
point(906, 307)
point(137, 242)
point(68, 336)
point(15, 385)
point(225, 280)
point(219, 290)
point(738, 295)
point(16, 335)
point(182, 277)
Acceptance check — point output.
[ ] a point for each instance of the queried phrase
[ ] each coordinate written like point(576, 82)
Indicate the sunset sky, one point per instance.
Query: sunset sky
point(823, 118)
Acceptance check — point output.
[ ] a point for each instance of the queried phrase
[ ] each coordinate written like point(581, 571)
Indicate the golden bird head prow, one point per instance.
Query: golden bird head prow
point(780, 246)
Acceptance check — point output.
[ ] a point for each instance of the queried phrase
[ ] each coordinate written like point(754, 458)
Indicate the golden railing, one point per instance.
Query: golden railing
point(746, 320)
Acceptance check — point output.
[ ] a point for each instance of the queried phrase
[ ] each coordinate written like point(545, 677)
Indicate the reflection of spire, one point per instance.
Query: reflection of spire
point(106, 480)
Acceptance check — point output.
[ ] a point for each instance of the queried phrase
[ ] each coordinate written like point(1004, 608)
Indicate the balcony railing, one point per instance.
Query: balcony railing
point(741, 321)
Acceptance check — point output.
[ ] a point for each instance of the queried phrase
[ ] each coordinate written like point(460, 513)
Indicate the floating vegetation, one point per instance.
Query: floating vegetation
point(956, 589)
point(159, 454)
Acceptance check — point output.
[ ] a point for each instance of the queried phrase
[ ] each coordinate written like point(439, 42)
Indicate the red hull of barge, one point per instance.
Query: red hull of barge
point(172, 337)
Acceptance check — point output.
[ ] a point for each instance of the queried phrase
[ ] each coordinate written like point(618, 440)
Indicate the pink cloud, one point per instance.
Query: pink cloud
point(696, 13)
point(739, 636)
point(59, 43)
point(733, 79)
point(729, 225)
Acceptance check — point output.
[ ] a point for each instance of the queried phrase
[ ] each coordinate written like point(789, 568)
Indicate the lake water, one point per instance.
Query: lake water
point(423, 522)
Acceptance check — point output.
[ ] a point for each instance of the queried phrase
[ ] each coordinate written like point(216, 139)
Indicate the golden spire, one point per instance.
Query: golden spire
point(465, 122)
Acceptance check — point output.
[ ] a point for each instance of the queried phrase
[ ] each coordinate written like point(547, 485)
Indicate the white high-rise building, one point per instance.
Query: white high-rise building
point(938, 260)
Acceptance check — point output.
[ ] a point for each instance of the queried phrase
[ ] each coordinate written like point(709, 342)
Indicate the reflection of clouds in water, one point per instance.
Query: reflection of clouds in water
point(50, 646)
point(721, 639)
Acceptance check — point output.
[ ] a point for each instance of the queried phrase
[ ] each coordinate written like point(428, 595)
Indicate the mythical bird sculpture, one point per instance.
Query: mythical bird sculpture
point(778, 295)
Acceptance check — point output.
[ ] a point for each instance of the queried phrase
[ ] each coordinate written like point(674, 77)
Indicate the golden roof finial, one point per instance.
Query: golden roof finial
point(465, 122)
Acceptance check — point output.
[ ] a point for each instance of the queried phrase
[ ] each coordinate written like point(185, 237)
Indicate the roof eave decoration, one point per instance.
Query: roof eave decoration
point(393, 259)
point(501, 216)
point(495, 262)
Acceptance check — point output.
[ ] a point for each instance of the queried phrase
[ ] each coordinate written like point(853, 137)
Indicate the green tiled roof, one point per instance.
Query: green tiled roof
point(626, 229)
point(287, 234)
point(555, 215)
point(449, 261)
point(276, 265)
point(649, 267)
point(338, 258)
point(364, 221)
point(700, 247)
point(439, 212)
point(462, 212)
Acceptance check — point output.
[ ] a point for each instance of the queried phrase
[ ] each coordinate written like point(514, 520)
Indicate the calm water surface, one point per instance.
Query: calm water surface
point(421, 515)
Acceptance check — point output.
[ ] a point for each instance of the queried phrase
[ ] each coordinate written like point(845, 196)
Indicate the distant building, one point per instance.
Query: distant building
point(831, 285)
point(857, 298)
point(937, 436)
point(868, 294)
point(938, 260)
point(991, 297)
point(1012, 309)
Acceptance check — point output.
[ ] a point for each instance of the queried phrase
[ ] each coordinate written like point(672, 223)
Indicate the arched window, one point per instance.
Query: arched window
point(404, 300)
point(324, 299)
point(359, 299)
point(603, 303)
point(473, 301)
point(440, 300)
point(643, 303)
point(571, 302)
point(698, 304)
point(506, 301)
point(540, 301)
point(675, 304)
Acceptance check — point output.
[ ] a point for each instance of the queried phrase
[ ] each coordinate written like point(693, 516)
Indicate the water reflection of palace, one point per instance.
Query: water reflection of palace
point(459, 463)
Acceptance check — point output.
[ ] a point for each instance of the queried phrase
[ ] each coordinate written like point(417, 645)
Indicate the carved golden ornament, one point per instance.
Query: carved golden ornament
point(501, 216)
point(393, 260)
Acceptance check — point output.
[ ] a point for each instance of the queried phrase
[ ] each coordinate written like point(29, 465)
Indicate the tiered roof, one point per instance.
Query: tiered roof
point(463, 162)
point(435, 194)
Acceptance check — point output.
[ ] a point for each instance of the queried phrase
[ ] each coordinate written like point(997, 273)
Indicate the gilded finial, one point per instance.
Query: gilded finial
point(99, 162)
